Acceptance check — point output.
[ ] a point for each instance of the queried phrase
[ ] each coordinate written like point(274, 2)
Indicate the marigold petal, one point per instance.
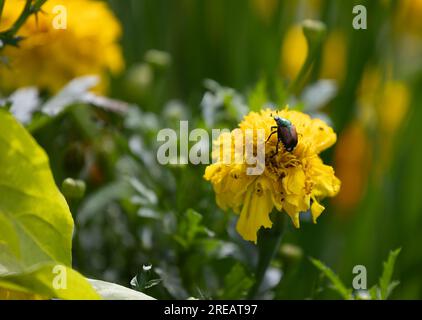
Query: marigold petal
point(255, 211)
point(316, 210)
point(294, 182)
point(326, 184)
point(322, 135)
point(293, 213)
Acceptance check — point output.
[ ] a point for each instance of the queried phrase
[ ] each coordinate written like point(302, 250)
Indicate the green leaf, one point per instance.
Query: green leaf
point(337, 284)
point(385, 283)
point(189, 228)
point(35, 221)
point(258, 96)
point(50, 280)
point(112, 291)
point(374, 292)
point(236, 283)
point(391, 287)
point(152, 283)
point(143, 281)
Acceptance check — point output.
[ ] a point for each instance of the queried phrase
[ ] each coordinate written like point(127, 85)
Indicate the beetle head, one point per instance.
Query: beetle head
point(282, 122)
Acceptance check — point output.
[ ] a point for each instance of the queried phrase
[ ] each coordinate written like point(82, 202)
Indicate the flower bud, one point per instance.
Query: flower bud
point(73, 189)
point(314, 32)
point(291, 253)
point(159, 59)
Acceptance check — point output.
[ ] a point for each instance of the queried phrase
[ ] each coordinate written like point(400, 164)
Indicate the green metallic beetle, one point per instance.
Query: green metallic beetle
point(286, 134)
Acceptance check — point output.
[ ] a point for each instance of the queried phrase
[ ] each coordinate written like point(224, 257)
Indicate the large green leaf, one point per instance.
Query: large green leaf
point(35, 221)
point(236, 283)
point(41, 282)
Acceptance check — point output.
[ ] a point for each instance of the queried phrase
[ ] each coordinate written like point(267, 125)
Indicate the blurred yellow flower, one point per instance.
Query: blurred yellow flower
point(292, 181)
point(383, 105)
point(49, 57)
point(333, 57)
point(392, 109)
point(393, 106)
point(383, 100)
point(353, 160)
point(295, 49)
point(409, 16)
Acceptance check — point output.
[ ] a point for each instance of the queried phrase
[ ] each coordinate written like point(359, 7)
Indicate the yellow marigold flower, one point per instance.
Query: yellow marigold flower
point(48, 57)
point(291, 181)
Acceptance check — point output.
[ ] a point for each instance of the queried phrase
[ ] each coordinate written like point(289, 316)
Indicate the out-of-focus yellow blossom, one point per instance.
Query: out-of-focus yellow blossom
point(409, 16)
point(369, 86)
point(293, 52)
point(382, 100)
point(49, 57)
point(392, 109)
point(383, 105)
point(393, 106)
point(295, 49)
point(292, 181)
point(352, 159)
point(333, 57)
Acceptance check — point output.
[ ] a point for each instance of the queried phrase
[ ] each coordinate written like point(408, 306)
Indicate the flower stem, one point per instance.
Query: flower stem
point(20, 20)
point(1, 7)
point(269, 241)
point(314, 32)
point(28, 9)
point(303, 72)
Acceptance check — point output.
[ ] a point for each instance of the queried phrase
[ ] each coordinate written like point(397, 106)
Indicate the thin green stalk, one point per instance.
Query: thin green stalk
point(269, 241)
point(314, 32)
point(304, 70)
point(20, 20)
point(1, 7)
point(27, 10)
point(37, 5)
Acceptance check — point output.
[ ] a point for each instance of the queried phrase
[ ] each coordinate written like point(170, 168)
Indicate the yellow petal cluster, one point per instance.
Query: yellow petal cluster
point(48, 57)
point(292, 182)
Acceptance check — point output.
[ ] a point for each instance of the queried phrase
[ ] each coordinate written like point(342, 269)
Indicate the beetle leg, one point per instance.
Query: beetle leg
point(274, 127)
point(270, 136)
point(276, 149)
